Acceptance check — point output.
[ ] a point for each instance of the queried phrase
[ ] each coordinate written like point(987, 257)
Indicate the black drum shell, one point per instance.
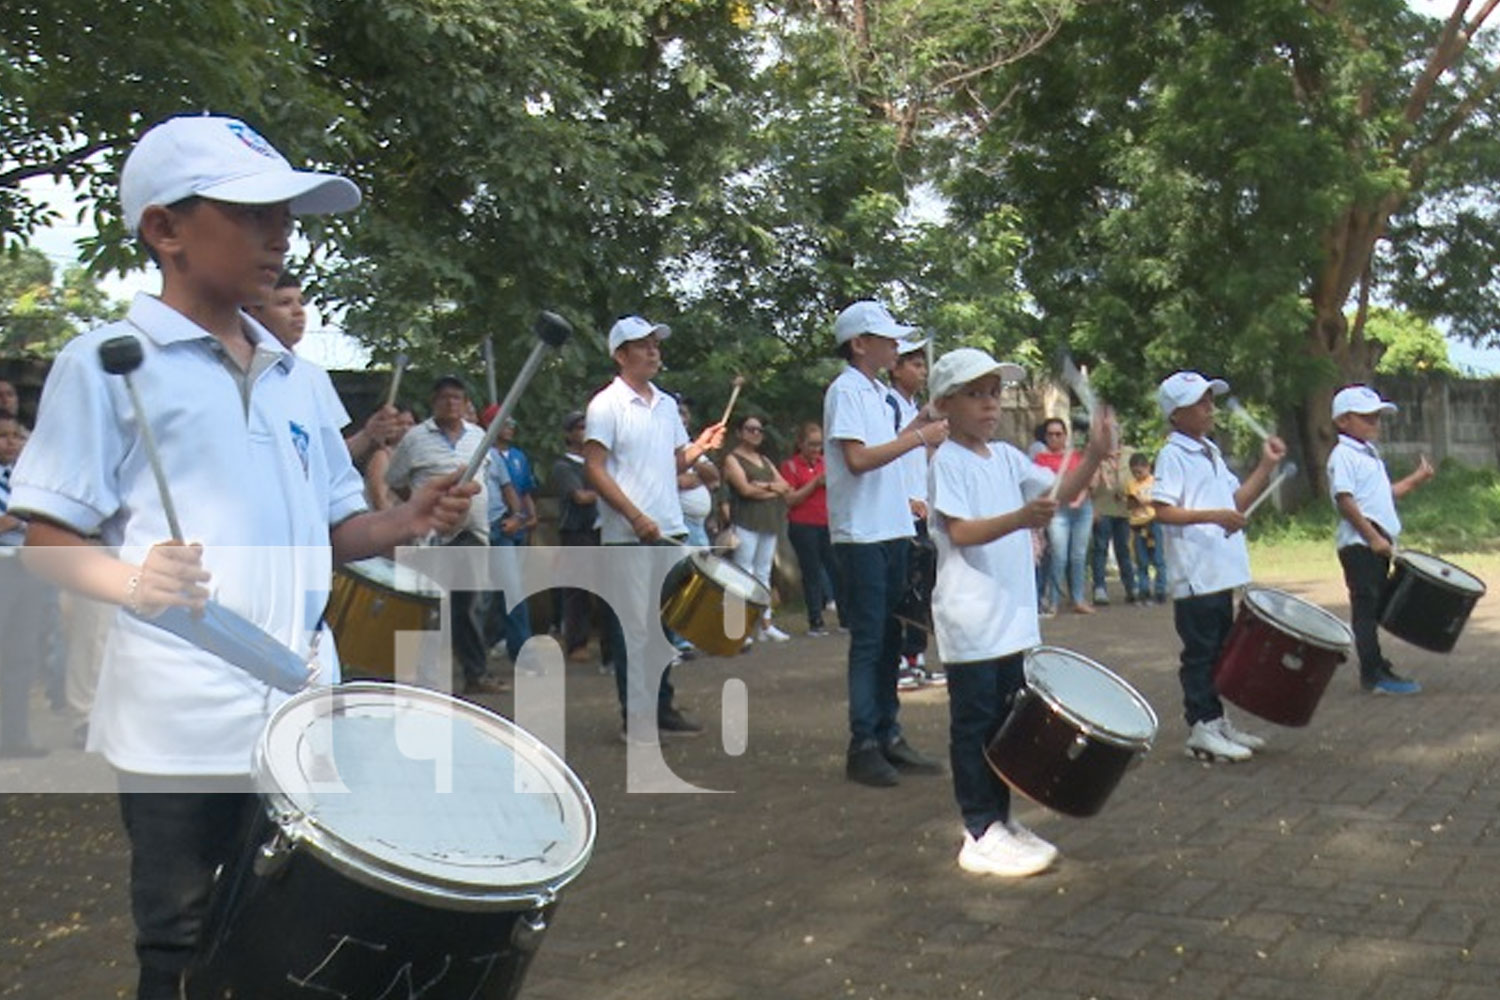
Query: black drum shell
point(1423, 611)
point(333, 936)
point(1271, 673)
point(1054, 761)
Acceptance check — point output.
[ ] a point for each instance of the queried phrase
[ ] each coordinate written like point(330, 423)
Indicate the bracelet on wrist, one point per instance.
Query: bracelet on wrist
point(132, 594)
point(920, 436)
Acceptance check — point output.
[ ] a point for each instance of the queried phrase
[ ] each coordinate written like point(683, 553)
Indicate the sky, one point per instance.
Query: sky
point(326, 343)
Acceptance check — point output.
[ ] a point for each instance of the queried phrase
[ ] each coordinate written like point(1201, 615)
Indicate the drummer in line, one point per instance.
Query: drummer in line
point(1200, 504)
point(1365, 499)
point(985, 496)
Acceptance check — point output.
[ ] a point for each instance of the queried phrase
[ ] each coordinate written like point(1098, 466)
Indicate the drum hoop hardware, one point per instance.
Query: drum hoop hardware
point(1087, 727)
point(1299, 634)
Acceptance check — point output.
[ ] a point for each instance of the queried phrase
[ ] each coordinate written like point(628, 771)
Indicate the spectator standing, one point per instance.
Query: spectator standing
point(807, 527)
point(512, 516)
point(758, 509)
point(1073, 524)
point(577, 525)
point(1111, 527)
point(1145, 533)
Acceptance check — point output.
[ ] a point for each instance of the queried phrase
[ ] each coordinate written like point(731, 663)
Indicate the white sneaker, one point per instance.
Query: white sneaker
point(1031, 840)
point(1208, 742)
point(769, 631)
point(1247, 740)
point(999, 852)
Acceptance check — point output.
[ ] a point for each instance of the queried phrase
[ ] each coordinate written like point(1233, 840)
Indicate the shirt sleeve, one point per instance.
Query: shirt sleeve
point(1170, 486)
point(844, 418)
point(599, 423)
point(1341, 478)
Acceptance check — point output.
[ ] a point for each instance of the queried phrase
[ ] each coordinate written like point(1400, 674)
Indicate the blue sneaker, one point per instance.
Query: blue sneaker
point(1394, 685)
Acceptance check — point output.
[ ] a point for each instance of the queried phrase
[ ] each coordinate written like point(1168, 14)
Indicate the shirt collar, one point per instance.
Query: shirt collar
point(1205, 446)
point(1368, 447)
point(656, 394)
point(165, 326)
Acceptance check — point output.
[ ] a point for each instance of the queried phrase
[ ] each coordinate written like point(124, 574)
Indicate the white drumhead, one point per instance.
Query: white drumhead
point(385, 573)
point(1090, 694)
point(1441, 572)
point(425, 795)
point(731, 578)
point(1297, 617)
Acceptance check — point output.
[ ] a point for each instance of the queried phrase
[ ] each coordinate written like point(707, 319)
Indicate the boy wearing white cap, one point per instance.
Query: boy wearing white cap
point(635, 447)
point(1200, 504)
point(263, 485)
point(869, 519)
point(985, 496)
point(1365, 499)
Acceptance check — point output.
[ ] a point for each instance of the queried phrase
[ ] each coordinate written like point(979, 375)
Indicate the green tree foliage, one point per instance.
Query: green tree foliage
point(37, 317)
point(1407, 344)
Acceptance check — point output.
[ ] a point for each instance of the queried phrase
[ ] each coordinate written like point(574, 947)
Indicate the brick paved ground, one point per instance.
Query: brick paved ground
point(1356, 857)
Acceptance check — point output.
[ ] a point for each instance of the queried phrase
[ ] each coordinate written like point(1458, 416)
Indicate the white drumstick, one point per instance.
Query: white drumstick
point(1287, 471)
point(734, 394)
point(1237, 409)
point(396, 372)
point(1079, 383)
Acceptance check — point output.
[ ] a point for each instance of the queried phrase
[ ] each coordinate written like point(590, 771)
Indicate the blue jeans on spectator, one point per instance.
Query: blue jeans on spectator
point(820, 571)
point(1110, 528)
point(1068, 534)
point(874, 578)
point(979, 702)
point(1149, 555)
point(1203, 623)
point(514, 626)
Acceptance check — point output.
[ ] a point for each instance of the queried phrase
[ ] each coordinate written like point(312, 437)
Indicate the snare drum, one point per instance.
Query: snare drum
point(716, 605)
point(371, 601)
point(1073, 730)
point(1279, 656)
point(1427, 601)
point(410, 844)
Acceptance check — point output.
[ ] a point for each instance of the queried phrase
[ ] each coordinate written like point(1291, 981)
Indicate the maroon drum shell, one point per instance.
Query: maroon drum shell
point(1058, 761)
point(1273, 671)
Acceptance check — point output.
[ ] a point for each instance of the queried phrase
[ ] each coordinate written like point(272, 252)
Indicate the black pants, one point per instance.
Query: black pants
point(469, 648)
point(1365, 574)
point(178, 840)
point(1203, 623)
point(577, 605)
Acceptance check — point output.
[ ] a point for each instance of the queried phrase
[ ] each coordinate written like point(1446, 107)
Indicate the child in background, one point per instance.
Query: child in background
point(1145, 533)
point(985, 496)
point(1368, 525)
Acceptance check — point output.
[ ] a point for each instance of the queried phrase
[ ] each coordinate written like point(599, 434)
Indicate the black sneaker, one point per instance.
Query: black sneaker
point(907, 758)
point(868, 766)
point(671, 722)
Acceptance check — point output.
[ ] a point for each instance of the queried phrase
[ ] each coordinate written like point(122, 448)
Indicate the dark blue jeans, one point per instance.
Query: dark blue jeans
point(979, 701)
point(874, 578)
point(1203, 623)
point(177, 841)
point(820, 571)
point(1150, 554)
point(1365, 574)
point(1109, 528)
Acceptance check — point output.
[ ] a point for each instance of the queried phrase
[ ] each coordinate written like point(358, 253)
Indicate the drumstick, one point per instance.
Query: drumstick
point(1079, 383)
point(739, 382)
point(396, 371)
point(489, 369)
point(551, 331)
point(121, 356)
point(1237, 409)
point(1287, 471)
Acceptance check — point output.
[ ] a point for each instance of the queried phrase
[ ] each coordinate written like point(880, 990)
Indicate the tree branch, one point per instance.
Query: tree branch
point(11, 178)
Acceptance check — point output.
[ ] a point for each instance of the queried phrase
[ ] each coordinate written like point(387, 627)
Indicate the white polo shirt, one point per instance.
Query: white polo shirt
point(642, 435)
point(256, 479)
point(984, 603)
point(425, 452)
point(1191, 474)
point(871, 506)
point(914, 462)
point(1356, 468)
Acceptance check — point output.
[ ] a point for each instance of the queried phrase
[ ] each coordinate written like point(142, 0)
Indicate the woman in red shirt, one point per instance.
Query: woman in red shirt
point(1072, 526)
point(807, 527)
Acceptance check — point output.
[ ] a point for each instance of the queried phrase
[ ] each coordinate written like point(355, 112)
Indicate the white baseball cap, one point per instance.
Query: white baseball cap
point(958, 368)
point(867, 316)
point(226, 160)
point(905, 347)
point(1360, 399)
point(1184, 389)
point(628, 328)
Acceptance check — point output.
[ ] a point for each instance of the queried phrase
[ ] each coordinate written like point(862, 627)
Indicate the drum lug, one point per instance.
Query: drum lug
point(1292, 661)
point(273, 855)
point(529, 930)
point(1078, 746)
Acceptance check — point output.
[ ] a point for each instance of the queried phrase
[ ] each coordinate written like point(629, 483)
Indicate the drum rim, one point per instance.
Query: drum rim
point(1403, 558)
point(385, 875)
point(1089, 727)
point(1298, 633)
point(430, 596)
point(761, 591)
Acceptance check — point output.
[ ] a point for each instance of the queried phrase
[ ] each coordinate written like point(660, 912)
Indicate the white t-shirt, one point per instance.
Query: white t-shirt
point(984, 603)
point(914, 462)
point(1191, 474)
point(871, 506)
point(642, 436)
point(1356, 468)
point(257, 482)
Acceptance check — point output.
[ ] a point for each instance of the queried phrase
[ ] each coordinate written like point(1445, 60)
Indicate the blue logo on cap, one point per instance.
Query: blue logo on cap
point(251, 138)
